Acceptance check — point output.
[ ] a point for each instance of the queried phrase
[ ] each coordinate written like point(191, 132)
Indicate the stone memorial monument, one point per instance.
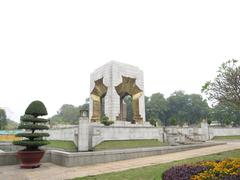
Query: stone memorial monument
point(109, 85)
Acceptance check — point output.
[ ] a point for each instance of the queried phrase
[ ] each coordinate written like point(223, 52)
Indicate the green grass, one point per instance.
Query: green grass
point(155, 172)
point(123, 144)
point(226, 138)
point(65, 145)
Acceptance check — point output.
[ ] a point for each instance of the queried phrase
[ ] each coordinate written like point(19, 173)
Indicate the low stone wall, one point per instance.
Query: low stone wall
point(99, 133)
point(218, 131)
point(204, 132)
point(67, 134)
point(86, 158)
point(104, 133)
point(9, 147)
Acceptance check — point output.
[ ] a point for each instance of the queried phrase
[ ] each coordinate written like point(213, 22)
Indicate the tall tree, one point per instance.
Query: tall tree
point(68, 114)
point(184, 108)
point(225, 88)
point(156, 107)
point(197, 109)
point(3, 119)
point(225, 115)
point(177, 108)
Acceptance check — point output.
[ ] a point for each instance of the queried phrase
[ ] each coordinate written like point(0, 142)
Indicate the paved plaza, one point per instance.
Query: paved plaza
point(54, 172)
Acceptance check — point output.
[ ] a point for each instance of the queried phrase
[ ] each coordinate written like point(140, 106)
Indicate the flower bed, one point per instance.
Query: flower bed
point(228, 169)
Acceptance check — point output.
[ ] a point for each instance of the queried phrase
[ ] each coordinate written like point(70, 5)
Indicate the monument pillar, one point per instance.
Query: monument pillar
point(83, 131)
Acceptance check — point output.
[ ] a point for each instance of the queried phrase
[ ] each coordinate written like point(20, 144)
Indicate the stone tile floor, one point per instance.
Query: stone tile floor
point(51, 171)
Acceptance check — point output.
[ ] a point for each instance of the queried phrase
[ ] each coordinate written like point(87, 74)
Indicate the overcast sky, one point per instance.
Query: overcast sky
point(49, 48)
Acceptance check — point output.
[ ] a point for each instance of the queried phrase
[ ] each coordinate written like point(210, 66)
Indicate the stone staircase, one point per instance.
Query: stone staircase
point(180, 138)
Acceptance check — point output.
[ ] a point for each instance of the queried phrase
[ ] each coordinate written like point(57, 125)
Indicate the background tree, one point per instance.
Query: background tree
point(86, 104)
point(156, 107)
point(128, 102)
point(177, 109)
point(225, 88)
point(225, 115)
point(3, 119)
point(197, 108)
point(68, 114)
point(184, 108)
point(177, 103)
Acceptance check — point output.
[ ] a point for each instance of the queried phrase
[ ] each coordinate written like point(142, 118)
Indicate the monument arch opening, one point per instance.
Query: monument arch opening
point(129, 87)
point(127, 110)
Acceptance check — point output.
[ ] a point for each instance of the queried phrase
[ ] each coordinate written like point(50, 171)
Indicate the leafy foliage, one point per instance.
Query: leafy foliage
point(153, 122)
point(105, 120)
point(68, 114)
point(156, 107)
point(31, 122)
point(32, 127)
point(177, 109)
point(128, 101)
point(36, 108)
point(225, 115)
point(225, 88)
point(31, 145)
point(3, 119)
point(30, 135)
point(30, 118)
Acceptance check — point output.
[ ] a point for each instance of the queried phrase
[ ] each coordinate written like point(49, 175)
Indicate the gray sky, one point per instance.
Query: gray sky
point(49, 48)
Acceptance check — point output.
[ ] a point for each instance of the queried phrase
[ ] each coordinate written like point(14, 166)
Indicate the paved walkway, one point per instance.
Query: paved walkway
point(53, 172)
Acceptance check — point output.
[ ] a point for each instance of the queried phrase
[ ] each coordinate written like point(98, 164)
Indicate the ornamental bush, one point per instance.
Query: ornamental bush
point(105, 120)
point(32, 123)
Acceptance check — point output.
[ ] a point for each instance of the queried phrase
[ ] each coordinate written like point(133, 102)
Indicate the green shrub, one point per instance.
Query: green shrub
point(30, 122)
point(105, 120)
point(153, 122)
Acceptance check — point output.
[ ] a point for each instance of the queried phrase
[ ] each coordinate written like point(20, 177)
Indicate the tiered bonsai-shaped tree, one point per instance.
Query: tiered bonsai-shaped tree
point(31, 123)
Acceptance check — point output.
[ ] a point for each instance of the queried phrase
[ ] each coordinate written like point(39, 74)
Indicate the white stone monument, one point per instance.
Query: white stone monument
point(109, 85)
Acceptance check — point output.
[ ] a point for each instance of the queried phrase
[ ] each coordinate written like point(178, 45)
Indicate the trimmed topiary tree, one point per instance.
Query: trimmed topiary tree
point(32, 123)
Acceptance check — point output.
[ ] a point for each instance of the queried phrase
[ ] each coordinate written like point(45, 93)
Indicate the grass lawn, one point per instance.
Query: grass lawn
point(123, 144)
point(155, 172)
point(226, 138)
point(66, 145)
